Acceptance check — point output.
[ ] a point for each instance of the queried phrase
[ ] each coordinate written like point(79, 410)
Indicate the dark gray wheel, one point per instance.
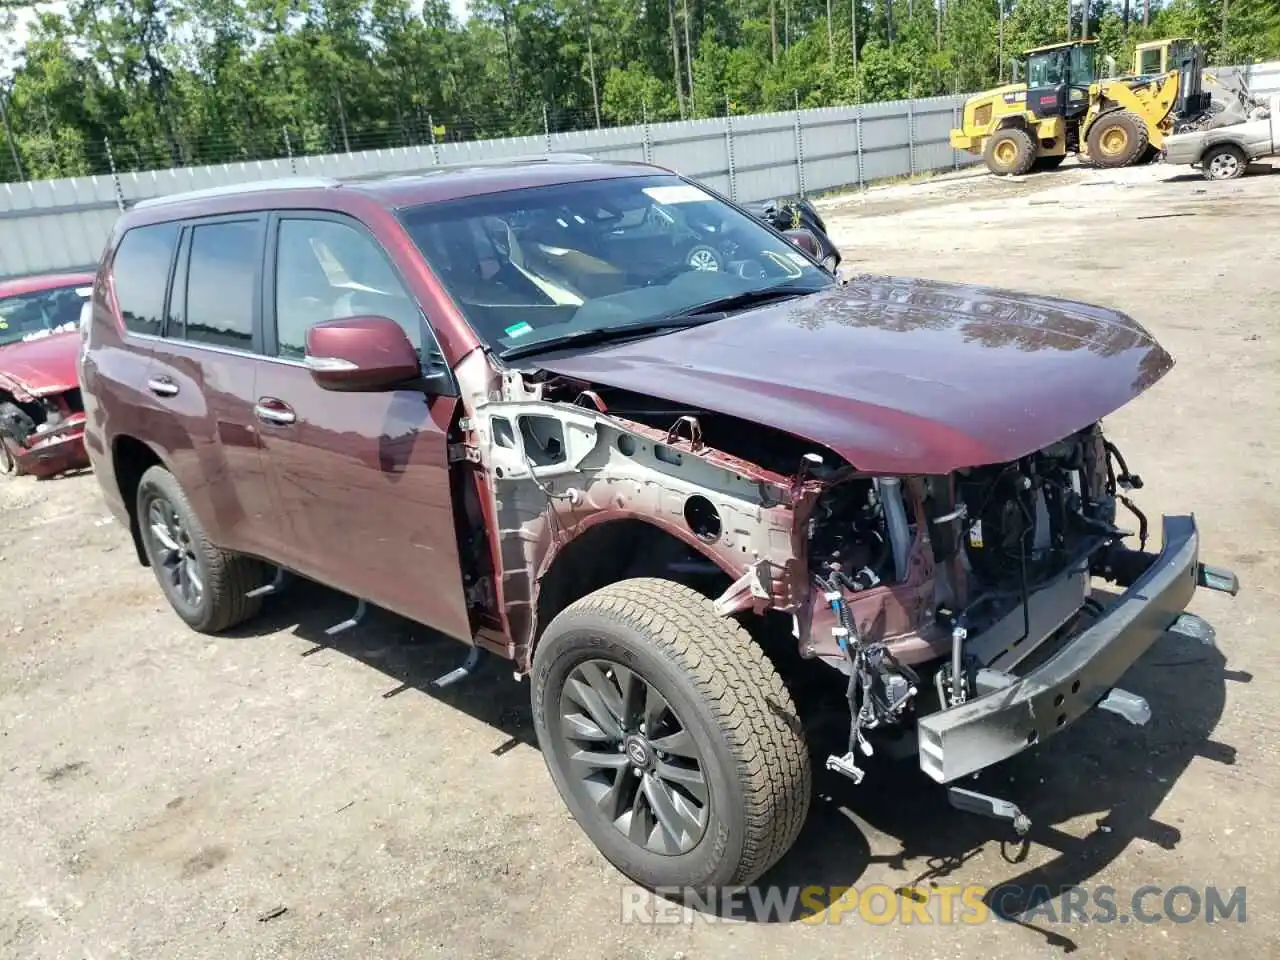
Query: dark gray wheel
point(633, 757)
point(670, 736)
point(1224, 162)
point(206, 586)
point(179, 568)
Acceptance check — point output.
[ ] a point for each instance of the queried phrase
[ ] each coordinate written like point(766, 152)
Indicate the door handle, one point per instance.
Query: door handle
point(271, 410)
point(162, 387)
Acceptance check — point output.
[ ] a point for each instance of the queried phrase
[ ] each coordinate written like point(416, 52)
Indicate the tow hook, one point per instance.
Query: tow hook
point(970, 801)
point(1215, 578)
point(1128, 706)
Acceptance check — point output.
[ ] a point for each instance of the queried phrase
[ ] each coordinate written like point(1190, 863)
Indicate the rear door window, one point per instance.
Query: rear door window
point(140, 273)
point(224, 264)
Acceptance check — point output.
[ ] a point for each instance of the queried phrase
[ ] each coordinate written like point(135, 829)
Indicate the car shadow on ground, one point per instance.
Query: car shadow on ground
point(411, 655)
point(1101, 769)
point(1255, 169)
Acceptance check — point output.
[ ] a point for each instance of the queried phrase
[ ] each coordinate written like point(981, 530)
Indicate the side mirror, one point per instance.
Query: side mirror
point(365, 354)
point(805, 240)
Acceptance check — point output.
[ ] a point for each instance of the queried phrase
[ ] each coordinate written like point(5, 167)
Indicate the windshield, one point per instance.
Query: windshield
point(1046, 69)
point(30, 316)
point(1084, 64)
point(546, 264)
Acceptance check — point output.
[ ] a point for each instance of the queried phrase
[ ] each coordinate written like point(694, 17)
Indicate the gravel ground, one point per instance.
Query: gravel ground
point(275, 793)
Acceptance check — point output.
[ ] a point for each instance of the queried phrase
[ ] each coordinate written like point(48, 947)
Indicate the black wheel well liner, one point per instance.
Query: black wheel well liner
point(130, 459)
point(619, 550)
point(1015, 121)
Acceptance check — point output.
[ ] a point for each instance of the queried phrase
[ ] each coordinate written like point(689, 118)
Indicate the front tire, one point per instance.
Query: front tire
point(1117, 139)
point(1010, 152)
point(670, 736)
point(205, 585)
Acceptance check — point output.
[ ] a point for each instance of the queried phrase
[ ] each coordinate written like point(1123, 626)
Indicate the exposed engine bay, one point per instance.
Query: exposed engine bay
point(20, 421)
point(936, 579)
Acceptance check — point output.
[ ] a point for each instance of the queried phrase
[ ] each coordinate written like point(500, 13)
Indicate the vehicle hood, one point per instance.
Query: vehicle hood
point(45, 365)
point(897, 375)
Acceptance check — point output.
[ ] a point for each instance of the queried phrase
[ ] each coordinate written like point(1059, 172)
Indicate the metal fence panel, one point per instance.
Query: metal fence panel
point(63, 224)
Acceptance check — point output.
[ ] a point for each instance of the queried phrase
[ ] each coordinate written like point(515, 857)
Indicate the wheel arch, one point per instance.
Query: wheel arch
point(1014, 121)
point(130, 459)
point(608, 548)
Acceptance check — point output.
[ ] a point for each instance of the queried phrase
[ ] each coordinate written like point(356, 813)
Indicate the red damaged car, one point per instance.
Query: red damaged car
point(41, 416)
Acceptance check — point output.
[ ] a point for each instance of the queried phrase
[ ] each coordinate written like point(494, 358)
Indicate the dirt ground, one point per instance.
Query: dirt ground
point(278, 794)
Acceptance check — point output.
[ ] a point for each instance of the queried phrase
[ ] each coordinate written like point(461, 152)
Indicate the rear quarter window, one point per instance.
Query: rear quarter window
point(140, 272)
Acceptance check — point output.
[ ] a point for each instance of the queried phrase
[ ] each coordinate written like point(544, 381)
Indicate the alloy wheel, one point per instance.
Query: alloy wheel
point(178, 563)
point(1223, 166)
point(631, 759)
point(704, 258)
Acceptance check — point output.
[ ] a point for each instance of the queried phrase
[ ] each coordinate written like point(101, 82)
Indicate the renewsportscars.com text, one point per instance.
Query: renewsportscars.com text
point(971, 904)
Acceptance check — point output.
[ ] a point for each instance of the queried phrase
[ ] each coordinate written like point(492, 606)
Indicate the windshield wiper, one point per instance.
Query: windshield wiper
point(691, 317)
point(745, 300)
point(594, 335)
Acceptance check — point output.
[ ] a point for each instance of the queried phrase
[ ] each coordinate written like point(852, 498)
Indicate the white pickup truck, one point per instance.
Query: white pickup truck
point(1223, 153)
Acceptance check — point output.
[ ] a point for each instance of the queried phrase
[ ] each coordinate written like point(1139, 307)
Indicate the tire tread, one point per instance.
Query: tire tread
point(752, 706)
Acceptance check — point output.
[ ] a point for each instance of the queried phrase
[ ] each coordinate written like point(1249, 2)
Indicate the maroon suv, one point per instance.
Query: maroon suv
point(505, 402)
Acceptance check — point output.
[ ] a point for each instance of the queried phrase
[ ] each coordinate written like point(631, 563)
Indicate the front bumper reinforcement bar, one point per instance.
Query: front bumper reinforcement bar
point(1028, 709)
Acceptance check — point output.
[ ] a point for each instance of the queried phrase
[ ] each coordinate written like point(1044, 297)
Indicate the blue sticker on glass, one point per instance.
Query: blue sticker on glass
point(518, 330)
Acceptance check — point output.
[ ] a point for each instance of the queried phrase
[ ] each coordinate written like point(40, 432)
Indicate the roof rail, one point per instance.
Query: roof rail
point(231, 189)
point(383, 176)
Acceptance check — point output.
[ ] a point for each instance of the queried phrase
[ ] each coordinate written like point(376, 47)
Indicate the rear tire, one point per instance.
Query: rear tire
point(1010, 152)
point(205, 585)
point(724, 725)
point(1117, 139)
point(1224, 162)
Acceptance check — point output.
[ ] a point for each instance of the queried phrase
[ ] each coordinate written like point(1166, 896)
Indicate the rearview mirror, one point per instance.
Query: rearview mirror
point(805, 240)
point(365, 354)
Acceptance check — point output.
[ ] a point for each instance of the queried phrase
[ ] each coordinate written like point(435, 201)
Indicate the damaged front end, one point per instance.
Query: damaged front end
point(41, 431)
point(958, 606)
point(989, 641)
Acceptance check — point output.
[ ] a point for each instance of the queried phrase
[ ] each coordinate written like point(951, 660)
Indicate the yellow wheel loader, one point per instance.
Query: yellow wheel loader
point(1063, 107)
